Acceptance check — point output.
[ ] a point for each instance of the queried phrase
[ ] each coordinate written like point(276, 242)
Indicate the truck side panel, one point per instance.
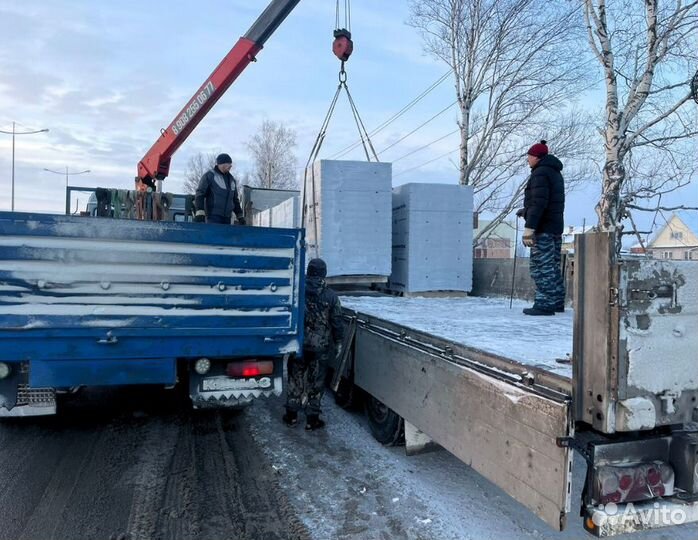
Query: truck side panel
point(75, 292)
point(504, 431)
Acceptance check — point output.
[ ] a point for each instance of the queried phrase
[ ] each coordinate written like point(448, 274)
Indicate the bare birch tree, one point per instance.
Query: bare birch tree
point(197, 165)
point(517, 67)
point(648, 54)
point(273, 158)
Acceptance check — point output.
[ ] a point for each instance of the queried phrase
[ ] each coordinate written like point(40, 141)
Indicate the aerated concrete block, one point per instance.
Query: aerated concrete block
point(348, 216)
point(287, 214)
point(432, 238)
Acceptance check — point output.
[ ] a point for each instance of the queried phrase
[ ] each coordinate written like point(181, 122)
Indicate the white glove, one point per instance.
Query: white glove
point(529, 237)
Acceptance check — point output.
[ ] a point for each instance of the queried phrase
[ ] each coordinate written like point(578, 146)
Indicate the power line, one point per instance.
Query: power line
point(425, 163)
point(418, 127)
point(426, 146)
point(397, 115)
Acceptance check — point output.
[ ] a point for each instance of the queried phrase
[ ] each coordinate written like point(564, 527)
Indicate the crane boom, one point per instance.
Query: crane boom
point(155, 165)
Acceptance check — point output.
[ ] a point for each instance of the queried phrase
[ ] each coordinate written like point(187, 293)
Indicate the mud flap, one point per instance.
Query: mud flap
point(417, 442)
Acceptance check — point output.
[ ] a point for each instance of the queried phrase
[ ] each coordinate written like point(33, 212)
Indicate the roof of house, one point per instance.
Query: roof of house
point(689, 218)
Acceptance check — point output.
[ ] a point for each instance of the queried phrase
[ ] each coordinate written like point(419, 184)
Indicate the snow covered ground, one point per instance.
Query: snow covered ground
point(345, 485)
point(485, 323)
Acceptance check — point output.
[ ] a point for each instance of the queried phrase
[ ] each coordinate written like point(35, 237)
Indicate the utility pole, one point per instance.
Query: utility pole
point(14, 132)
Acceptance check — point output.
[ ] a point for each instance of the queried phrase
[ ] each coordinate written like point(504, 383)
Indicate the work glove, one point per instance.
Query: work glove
point(521, 212)
point(199, 219)
point(241, 221)
point(529, 237)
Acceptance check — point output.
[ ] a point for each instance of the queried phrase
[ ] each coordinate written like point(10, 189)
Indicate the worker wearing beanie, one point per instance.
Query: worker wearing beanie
point(543, 211)
point(217, 195)
point(323, 333)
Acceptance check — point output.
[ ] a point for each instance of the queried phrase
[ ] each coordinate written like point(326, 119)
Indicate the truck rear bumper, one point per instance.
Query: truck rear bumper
point(28, 410)
point(31, 402)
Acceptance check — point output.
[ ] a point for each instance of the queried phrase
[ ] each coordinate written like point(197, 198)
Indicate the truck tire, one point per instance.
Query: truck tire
point(386, 425)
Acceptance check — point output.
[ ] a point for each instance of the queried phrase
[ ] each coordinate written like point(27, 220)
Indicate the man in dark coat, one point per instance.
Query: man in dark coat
point(544, 207)
point(217, 195)
point(323, 333)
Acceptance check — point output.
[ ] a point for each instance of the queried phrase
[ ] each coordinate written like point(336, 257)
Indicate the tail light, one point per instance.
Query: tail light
point(249, 369)
point(633, 483)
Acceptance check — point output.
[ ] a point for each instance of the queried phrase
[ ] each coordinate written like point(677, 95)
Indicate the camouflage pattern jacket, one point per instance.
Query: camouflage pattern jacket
point(323, 316)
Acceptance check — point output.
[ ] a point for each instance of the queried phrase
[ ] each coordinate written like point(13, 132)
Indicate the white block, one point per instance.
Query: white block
point(287, 214)
point(432, 238)
point(262, 219)
point(348, 216)
point(256, 200)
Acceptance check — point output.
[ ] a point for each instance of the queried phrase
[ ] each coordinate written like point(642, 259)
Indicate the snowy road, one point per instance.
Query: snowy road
point(138, 464)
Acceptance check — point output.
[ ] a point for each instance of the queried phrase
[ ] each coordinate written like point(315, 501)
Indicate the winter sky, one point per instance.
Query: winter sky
point(104, 77)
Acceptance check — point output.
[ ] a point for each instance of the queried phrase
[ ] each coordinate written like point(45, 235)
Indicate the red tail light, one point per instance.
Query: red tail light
point(633, 483)
point(250, 369)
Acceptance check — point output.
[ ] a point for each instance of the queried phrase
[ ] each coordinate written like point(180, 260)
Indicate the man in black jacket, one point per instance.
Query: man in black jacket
point(544, 207)
point(323, 333)
point(217, 195)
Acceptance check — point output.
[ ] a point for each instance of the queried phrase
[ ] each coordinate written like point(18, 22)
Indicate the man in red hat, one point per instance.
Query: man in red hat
point(544, 207)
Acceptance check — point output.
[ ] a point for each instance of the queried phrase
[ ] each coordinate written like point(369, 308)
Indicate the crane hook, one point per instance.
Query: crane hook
point(343, 46)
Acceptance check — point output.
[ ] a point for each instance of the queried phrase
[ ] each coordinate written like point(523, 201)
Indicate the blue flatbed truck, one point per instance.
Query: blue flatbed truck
point(99, 301)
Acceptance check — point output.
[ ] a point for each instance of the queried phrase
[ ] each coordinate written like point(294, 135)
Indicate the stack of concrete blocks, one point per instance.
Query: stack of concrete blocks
point(282, 216)
point(348, 218)
point(432, 238)
point(255, 201)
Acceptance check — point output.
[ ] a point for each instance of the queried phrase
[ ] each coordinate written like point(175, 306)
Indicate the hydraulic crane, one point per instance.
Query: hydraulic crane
point(155, 165)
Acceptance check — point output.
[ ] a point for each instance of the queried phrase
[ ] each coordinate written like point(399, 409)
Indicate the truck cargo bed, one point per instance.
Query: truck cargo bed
point(98, 301)
point(483, 323)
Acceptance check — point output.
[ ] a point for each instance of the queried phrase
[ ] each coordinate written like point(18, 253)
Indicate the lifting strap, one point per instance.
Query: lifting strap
point(342, 47)
point(366, 143)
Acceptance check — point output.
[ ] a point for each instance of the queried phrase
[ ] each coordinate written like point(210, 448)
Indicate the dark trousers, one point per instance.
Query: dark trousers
point(218, 219)
point(306, 382)
point(546, 258)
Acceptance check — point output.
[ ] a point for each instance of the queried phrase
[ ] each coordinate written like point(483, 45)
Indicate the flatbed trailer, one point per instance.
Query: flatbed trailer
point(627, 409)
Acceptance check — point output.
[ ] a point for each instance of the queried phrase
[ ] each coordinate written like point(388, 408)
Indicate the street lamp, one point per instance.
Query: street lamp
point(67, 173)
point(13, 133)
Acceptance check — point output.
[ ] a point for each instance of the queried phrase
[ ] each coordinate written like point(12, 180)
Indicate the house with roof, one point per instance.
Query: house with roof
point(677, 239)
point(499, 243)
point(569, 234)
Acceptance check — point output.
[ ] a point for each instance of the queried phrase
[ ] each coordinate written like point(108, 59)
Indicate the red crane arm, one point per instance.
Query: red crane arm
point(155, 165)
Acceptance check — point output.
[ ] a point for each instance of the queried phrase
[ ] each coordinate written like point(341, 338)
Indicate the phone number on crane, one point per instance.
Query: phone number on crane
point(199, 100)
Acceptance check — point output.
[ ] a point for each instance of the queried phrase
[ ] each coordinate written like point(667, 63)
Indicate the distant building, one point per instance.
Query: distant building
point(675, 240)
point(500, 242)
point(568, 235)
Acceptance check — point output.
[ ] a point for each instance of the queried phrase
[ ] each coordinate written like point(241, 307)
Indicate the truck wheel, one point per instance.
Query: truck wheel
point(386, 426)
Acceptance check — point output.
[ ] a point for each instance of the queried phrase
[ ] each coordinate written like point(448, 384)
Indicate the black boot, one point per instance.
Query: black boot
point(290, 418)
point(559, 308)
point(538, 310)
point(313, 422)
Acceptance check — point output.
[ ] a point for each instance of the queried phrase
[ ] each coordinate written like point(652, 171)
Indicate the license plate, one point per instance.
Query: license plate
point(225, 383)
